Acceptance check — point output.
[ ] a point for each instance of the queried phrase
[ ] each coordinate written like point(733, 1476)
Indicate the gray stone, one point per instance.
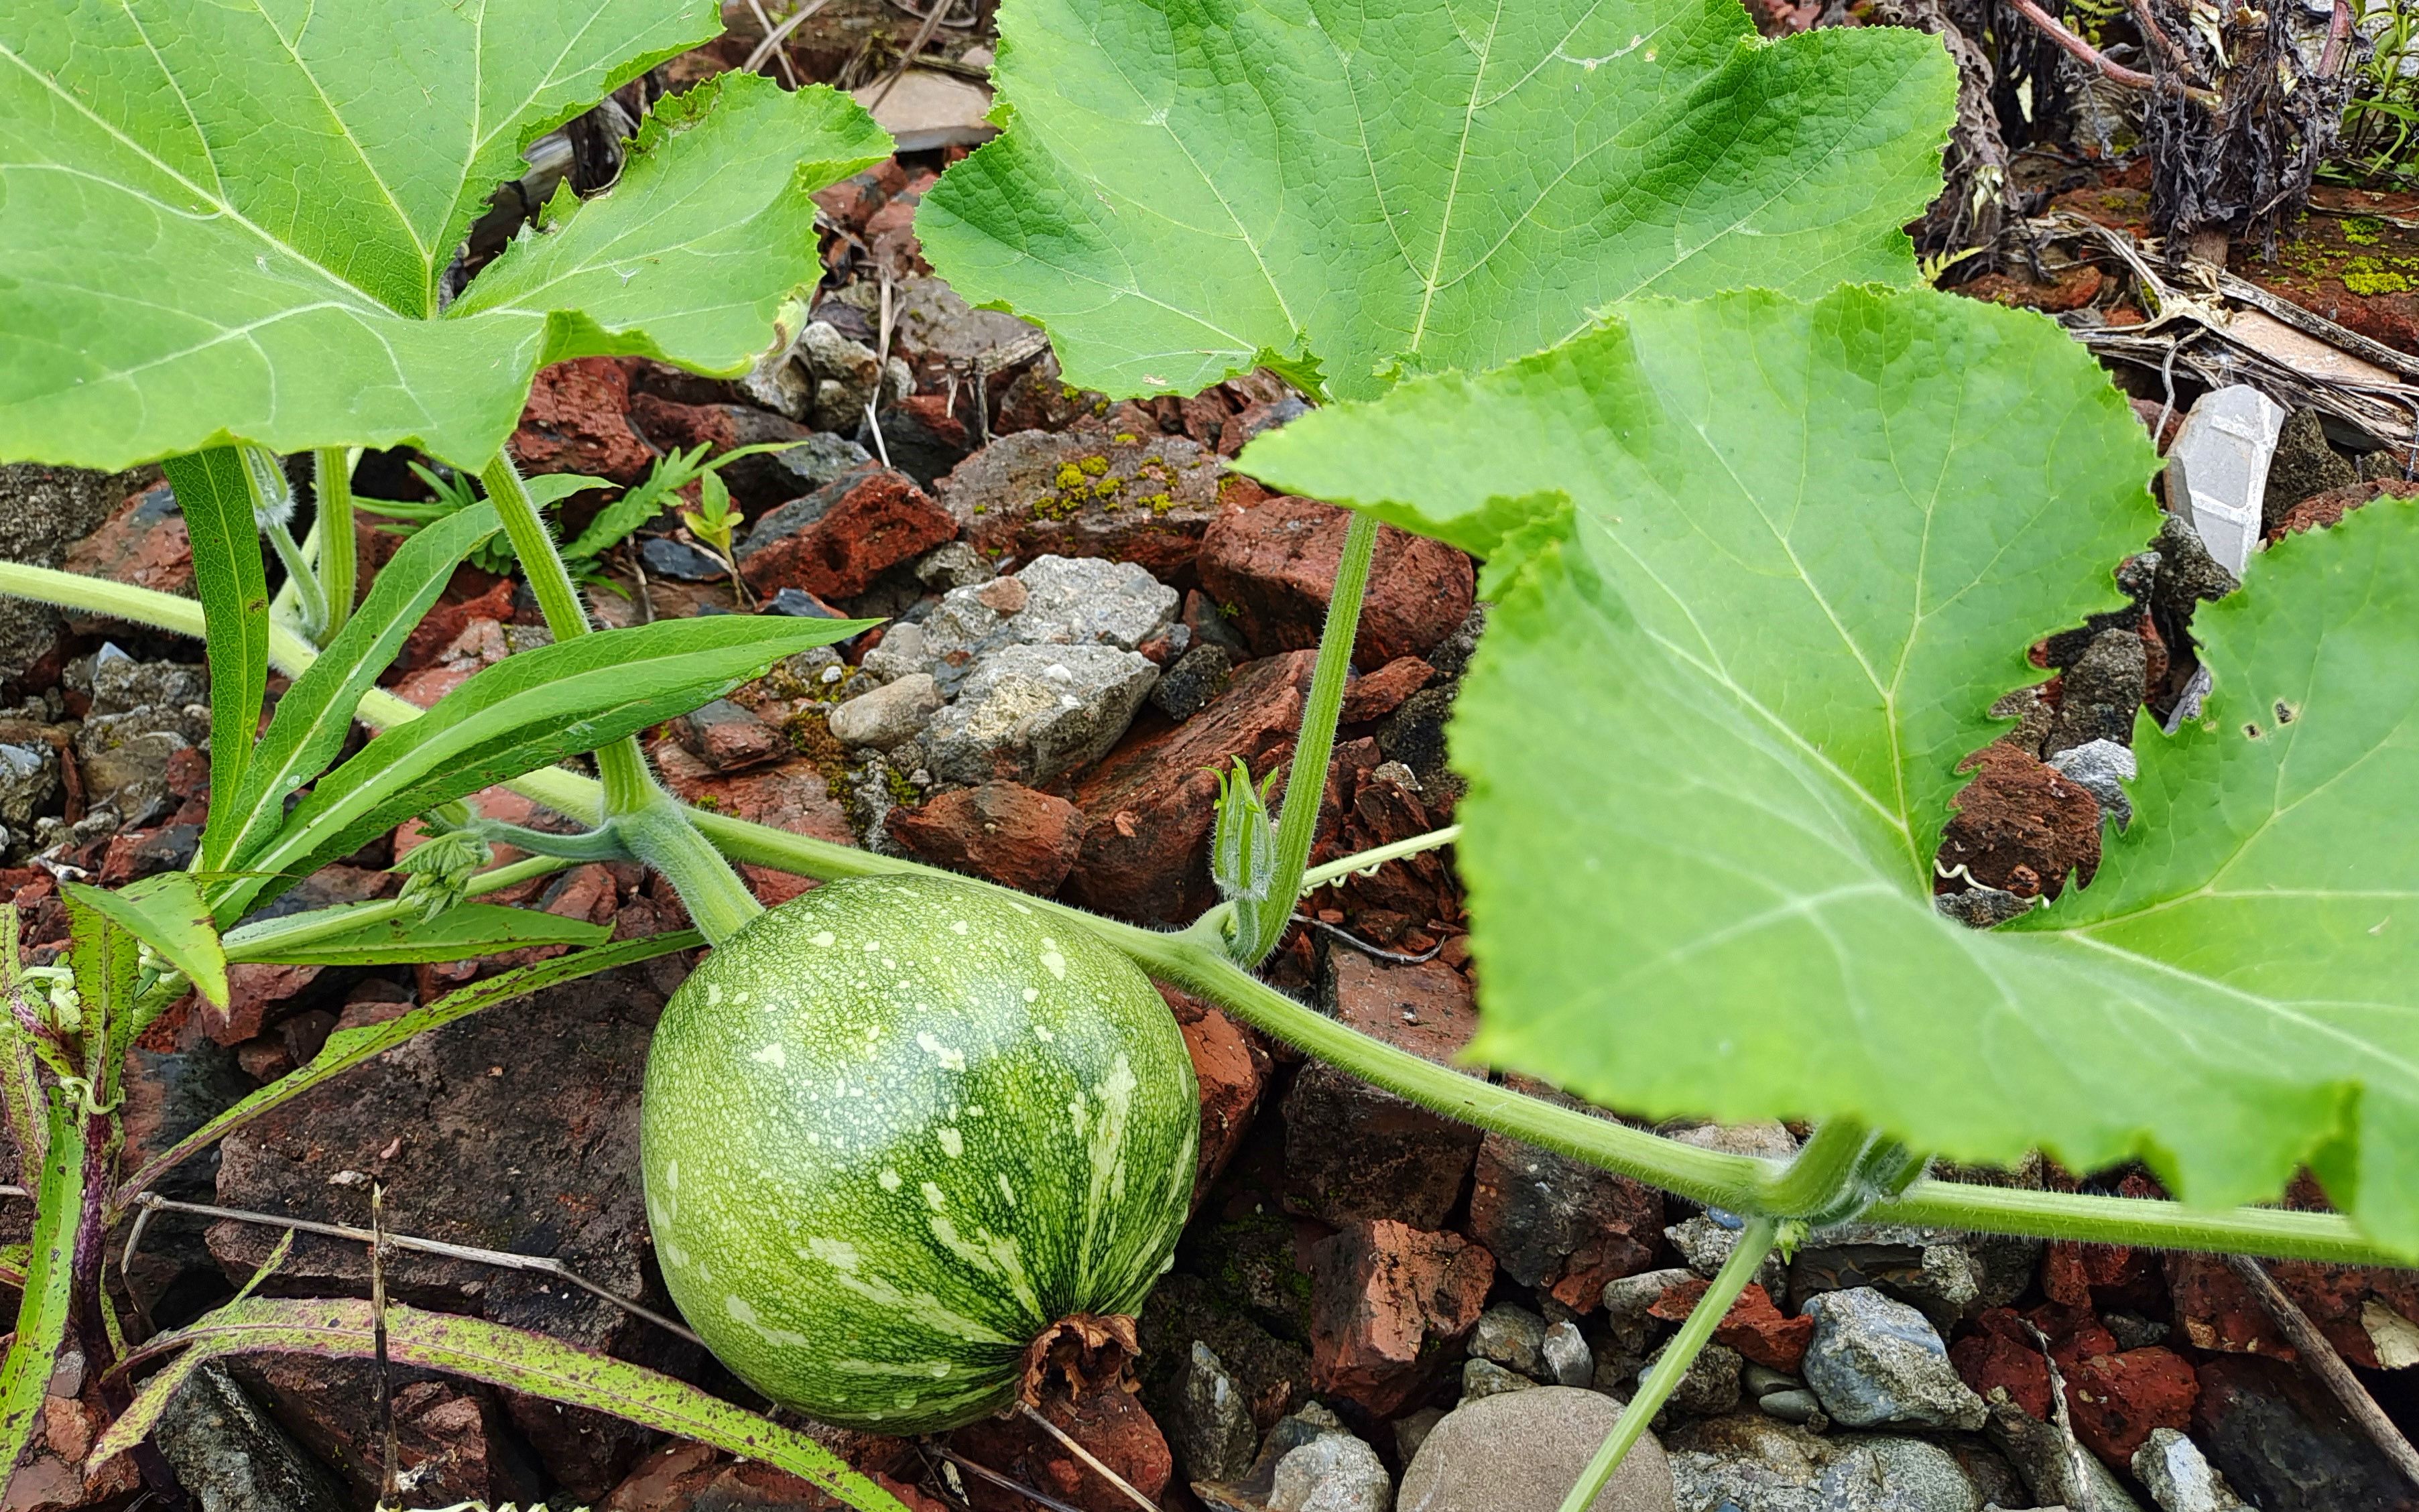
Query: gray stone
point(2179, 1478)
point(2100, 691)
point(1706, 1245)
point(1710, 1388)
point(1188, 685)
point(1057, 601)
point(29, 775)
point(1765, 1138)
point(1568, 1360)
point(902, 652)
point(820, 458)
point(1513, 1336)
point(2217, 470)
point(1251, 1492)
point(2303, 464)
point(1981, 907)
point(891, 712)
point(1412, 1430)
point(848, 376)
point(231, 1456)
point(1872, 1361)
point(953, 564)
point(779, 384)
point(1213, 1435)
point(2101, 768)
point(1938, 1270)
point(121, 685)
point(1485, 1378)
point(1762, 1381)
point(1333, 1472)
point(665, 556)
point(1796, 1404)
point(1522, 1451)
point(1751, 1464)
point(1029, 714)
point(1626, 1299)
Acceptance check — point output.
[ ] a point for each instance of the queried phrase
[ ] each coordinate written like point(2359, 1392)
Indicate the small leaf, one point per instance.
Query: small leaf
point(192, 261)
point(530, 710)
point(512, 1358)
point(1185, 191)
point(347, 1049)
point(316, 713)
point(166, 913)
point(214, 492)
point(1761, 569)
point(463, 933)
point(49, 1275)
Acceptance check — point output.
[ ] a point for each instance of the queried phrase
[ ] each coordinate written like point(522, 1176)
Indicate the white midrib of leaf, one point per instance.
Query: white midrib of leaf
point(1453, 186)
point(479, 139)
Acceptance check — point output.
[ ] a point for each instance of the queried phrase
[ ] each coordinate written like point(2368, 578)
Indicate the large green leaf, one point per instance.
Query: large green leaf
point(1189, 187)
point(1762, 566)
point(228, 220)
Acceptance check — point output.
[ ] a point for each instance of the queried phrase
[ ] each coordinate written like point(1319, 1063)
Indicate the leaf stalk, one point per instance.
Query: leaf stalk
point(1673, 1367)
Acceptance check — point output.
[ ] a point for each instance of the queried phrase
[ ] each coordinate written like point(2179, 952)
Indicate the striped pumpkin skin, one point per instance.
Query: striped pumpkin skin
point(894, 1129)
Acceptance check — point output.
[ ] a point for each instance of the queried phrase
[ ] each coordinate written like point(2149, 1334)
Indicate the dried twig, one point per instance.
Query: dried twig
point(923, 35)
point(1067, 1442)
point(2078, 1465)
point(776, 36)
point(1362, 946)
point(390, 1487)
point(2149, 25)
point(1037, 1498)
point(757, 56)
point(501, 1259)
point(2321, 1357)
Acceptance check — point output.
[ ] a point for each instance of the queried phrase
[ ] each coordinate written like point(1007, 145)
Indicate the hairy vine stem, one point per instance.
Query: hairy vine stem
point(636, 810)
point(1736, 1183)
point(1673, 1367)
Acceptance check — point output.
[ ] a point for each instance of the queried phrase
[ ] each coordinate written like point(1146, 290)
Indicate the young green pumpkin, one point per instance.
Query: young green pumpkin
point(894, 1130)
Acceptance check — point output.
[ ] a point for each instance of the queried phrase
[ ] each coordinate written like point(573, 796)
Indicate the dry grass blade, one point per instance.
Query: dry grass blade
point(2328, 1366)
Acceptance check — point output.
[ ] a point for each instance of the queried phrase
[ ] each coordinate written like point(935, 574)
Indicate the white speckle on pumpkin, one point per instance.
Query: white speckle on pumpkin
point(824, 939)
point(773, 1056)
point(952, 1143)
point(712, 995)
point(957, 928)
point(743, 1312)
point(1051, 958)
point(1041, 1032)
point(950, 1060)
point(1004, 1190)
point(933, 1194)
point(889, 1180)
point(873, 946)
point(1033, 994)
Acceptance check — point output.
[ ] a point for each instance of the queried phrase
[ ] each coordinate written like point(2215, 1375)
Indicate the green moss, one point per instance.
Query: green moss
point(902, 792)
point(1160, 503)
point(809, 733)
point(1067, 476)
point(1123, 438)
point(1095, 465)
point(2371, 275)
point(708, 802)
point(2363, 230)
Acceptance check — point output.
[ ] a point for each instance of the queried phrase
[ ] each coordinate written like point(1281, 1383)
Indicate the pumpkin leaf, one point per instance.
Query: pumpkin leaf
point(514, 1359)
point(1188, 188)
point(230, 221)
point(215, 494)
point(348, 1048)
point(1761, 568)
point(530, 710)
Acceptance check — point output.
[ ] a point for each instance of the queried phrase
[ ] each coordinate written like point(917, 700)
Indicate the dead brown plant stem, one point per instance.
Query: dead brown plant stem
point(2338, 38)
point(2328, 1366)
point(500, 1259)
point(781, 33)
point(2148, 22)
point(2058, 31)
point(756, 59)
point(390, 1486)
